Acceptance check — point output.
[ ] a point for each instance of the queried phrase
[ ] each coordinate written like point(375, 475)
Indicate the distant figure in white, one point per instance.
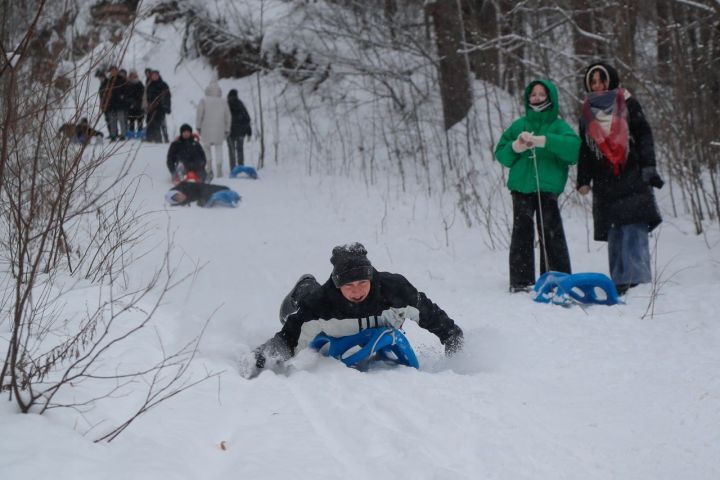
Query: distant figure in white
point(213, 124)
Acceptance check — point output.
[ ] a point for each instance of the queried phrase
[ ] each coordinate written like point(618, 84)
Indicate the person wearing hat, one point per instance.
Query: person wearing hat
point(617, 161)
point(157, 94)
point(355, 297)
point(186, 156)
point(538, 149)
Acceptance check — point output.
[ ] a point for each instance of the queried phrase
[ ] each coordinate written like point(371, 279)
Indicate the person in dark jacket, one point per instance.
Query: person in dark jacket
point(617, 160)
point(538, 148)
point(355, 297)
point(134, 92)
point(158, 105)
point(115, 104)
point(103, 94)
point(186, 155)
point(188, 191)
point(239, 129)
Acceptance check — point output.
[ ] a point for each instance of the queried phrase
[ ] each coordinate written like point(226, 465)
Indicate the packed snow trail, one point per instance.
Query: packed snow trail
point(540, 392)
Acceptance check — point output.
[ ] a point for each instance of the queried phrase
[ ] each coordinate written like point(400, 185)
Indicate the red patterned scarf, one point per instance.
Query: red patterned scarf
point(606, 124)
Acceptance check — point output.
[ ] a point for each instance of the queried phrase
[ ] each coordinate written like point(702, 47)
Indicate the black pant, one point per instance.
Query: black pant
point(522, 251)
point(154, 125)
point(235, 146)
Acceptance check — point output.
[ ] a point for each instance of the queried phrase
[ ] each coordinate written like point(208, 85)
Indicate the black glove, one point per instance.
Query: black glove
point(275, 349)
point(454, 341)
point(650, 177)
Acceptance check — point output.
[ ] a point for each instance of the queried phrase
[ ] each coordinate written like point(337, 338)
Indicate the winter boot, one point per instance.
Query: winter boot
point(290, 304)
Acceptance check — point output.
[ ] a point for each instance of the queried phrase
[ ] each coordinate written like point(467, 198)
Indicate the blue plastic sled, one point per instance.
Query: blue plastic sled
point(563, 289)
point(223, 198)
point(249, 171)
point(375, 343)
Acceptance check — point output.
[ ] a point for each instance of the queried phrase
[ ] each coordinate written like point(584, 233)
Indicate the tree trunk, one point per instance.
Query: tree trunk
point(481, 28)
point(454, 71)
point(663, 40)
point(625, 28)
point(586, 47)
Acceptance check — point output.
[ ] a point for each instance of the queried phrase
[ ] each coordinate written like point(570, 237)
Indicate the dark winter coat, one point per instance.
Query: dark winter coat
point(134, 92)
point(624, 199)
point(112, 93)
point(188, 152)
point(197, 191)
point(387, 290)
point(103, 94)
point(158, 96)
point(551, 162)
point(240, 125)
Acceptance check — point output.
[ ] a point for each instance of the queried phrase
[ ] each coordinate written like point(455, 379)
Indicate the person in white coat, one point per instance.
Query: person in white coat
point(213, 122)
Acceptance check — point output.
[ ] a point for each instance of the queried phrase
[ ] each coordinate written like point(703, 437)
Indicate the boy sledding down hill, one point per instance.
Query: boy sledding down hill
point(205, 194)
point(354, 298)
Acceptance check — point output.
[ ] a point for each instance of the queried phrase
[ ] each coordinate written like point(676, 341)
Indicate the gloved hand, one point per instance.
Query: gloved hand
point(199, 130)
point(651, 177)
point(454, 341)
point(522, 142)
point(395, 317)
point(536, 140)
point(274, 349)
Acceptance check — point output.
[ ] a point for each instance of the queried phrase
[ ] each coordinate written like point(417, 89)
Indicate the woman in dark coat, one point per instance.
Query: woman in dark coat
point(158, 97)
point(617, 159)
point(134, 92)
point(239, 129)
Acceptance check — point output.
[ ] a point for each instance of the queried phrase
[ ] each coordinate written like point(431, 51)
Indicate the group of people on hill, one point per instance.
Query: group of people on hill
point(217, 121)
point(614, 151)
point(126, 103)
point(615, 155)
point(190, 156)
point(616, 160)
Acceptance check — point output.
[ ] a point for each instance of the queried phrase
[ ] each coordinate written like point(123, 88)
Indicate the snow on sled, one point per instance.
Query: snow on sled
point(584, 288)
point(250, 172)
point(368, 345)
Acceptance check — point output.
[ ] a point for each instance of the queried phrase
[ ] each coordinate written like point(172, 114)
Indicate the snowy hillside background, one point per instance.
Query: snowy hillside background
point(540, 392)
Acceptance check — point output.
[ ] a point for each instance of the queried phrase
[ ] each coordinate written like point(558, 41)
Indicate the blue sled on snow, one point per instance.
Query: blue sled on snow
point(223, 198)
point(586, 288)
point(375, 343)
point(240, 169)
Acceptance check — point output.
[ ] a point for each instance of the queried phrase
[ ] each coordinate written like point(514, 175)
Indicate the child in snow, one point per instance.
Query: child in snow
point(205, 194)
point(185, 155)
point(355, 297)
point(617, 156)
point(538, 149)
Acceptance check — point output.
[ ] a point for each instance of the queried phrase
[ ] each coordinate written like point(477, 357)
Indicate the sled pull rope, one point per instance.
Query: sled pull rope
point(540, 213)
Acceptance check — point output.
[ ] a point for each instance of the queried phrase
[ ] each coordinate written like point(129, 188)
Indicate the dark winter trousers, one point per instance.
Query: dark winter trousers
point(235, 146)
point(522, 250)
point(117, 123)
point(154, 126)
point(135, 120)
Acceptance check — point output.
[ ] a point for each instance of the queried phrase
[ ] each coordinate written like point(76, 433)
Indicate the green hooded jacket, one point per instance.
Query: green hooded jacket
point(561, 148)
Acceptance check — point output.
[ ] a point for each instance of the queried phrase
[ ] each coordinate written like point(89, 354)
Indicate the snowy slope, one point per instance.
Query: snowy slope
point(540, 392)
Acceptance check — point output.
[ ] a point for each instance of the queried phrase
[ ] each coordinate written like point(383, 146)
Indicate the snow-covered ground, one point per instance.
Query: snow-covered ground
point(540, 391)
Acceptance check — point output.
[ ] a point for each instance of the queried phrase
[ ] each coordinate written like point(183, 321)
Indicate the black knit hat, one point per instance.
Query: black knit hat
point(607, 73)
point(185, 127)
point(350, 264)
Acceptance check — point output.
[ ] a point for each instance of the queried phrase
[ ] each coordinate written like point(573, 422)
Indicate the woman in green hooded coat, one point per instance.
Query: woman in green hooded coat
point(538, 149)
